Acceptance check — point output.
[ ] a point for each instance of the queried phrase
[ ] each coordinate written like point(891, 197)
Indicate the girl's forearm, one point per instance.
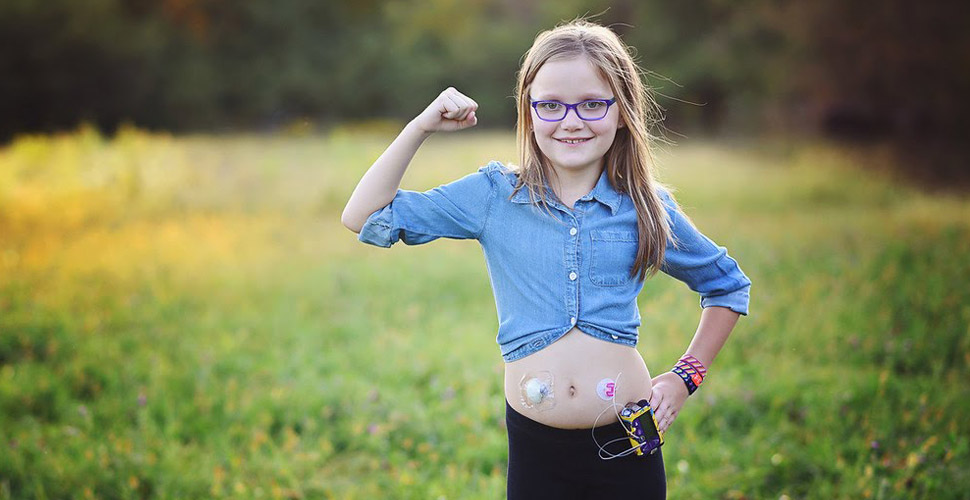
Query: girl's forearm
point(715, 326)
point(450, 111)
point(381, 181)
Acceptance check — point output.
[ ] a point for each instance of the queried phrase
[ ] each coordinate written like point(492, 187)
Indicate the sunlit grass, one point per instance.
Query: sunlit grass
point(186, 317)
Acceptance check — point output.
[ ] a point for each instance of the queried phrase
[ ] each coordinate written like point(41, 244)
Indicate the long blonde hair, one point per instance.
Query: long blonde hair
point(629, 161)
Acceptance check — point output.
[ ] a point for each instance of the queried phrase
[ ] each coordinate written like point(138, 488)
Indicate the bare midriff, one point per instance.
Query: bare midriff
point(577, 362)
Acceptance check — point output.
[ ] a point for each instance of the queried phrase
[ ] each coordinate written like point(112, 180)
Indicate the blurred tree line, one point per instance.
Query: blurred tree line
point(869, 69)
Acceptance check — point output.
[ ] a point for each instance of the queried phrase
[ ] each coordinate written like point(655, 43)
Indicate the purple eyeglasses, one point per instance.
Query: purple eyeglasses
point(588, 110)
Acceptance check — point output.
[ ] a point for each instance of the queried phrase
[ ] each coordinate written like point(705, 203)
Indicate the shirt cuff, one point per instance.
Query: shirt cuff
point(736, 301)
point(377, 229)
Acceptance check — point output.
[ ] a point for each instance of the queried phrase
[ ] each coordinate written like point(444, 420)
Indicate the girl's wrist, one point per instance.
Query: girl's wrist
point(691, 371)
point(414, 127)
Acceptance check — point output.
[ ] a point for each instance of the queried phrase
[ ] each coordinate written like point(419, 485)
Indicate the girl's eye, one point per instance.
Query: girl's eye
point(550, 106)
point(592, 105)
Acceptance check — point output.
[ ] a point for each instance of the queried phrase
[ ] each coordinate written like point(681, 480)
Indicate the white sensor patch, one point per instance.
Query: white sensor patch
point(538, 391)
point(606, 389)
point(535, 390)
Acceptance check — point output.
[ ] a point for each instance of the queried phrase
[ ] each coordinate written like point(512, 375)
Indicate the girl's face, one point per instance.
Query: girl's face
point(571, 81)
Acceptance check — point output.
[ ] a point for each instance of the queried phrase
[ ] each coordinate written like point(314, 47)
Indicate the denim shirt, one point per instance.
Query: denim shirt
point(548, 275)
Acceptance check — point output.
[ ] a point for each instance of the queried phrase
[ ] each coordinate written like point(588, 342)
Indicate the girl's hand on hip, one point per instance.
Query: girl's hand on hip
point(450, 111)
point(669, 395)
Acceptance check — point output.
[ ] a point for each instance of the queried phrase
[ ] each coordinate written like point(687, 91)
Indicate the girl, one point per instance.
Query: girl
point(569, 235)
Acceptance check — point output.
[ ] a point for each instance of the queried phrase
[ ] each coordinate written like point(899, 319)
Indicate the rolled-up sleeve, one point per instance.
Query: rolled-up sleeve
point(704, 266)
point(457, 210)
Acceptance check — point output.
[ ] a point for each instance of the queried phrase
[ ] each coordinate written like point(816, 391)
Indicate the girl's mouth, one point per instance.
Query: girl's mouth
point(573, 141)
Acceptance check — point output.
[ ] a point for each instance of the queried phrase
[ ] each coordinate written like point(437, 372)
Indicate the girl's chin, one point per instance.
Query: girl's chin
point(574, 158)
point(572, 165)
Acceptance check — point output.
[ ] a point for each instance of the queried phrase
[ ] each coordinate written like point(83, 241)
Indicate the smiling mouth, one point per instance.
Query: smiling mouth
point(573, 141)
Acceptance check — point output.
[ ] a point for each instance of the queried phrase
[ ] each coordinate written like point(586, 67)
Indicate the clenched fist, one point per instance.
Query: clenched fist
point(450, 111)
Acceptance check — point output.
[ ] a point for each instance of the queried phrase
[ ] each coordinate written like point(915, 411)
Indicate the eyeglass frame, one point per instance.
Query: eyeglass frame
point(609, 102)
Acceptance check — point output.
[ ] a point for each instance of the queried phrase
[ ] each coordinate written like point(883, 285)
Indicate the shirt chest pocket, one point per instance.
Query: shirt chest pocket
point(612, 256)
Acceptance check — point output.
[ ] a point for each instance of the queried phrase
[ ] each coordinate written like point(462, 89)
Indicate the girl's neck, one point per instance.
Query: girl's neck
point(570, 185)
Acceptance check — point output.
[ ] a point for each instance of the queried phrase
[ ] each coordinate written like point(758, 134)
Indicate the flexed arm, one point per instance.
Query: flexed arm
point(450, 111)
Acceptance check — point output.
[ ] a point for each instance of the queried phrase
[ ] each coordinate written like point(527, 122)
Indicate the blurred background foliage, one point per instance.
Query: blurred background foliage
point(887, 70)
point(186, 317)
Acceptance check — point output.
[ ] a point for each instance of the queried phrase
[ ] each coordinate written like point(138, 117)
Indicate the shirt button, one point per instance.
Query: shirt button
point(572, 276)
point(614, 337)
point(572, 320)
point(572, 231)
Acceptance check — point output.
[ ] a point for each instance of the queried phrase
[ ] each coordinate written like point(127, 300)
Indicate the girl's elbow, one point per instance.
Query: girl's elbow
point(350, 222)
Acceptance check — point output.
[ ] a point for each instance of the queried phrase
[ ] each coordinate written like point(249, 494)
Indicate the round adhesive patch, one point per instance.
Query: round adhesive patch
point(535, 390)
point(606, 389)
point(538, 390)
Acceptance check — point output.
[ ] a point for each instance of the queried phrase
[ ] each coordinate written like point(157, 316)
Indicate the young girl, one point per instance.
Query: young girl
point(569, 235)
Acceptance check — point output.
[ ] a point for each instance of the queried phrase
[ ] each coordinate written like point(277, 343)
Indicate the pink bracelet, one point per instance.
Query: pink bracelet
point(691, 370)
point(699, 367)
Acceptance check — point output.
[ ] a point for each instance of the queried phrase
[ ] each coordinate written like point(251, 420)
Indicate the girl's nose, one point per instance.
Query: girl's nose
point(571, 121)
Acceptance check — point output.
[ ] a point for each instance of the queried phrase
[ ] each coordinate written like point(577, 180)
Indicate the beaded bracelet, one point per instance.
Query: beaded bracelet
point(691, 370)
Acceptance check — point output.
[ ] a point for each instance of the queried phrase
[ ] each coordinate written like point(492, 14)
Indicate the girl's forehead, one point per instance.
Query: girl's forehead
point(572, 79)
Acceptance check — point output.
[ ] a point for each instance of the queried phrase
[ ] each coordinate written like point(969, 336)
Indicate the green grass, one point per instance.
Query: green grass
point(185, 317)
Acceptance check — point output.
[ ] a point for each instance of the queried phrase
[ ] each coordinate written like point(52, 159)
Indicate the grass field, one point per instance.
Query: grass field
point(185, 317)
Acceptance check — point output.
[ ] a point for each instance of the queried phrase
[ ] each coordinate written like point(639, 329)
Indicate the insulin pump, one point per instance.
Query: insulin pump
point(642, 428)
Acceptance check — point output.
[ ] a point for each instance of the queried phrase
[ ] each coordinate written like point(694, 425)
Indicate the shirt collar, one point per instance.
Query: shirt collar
point(603, 192)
